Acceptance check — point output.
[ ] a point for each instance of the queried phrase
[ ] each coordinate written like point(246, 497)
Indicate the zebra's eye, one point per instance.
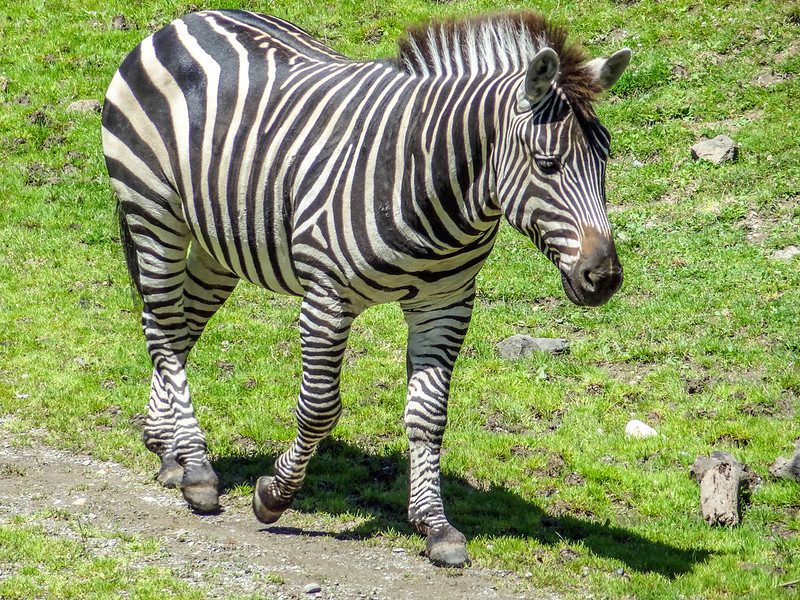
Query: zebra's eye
point(548, 164)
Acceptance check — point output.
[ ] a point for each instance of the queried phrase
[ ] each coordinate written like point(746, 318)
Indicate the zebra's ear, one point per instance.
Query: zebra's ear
point(607, 71)
point(540, 75)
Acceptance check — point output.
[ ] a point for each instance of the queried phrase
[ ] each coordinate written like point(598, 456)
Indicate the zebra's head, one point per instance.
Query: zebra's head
point(551, 176)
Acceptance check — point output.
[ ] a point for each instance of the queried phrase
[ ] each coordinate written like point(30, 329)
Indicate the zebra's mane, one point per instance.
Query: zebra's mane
point(503, 42)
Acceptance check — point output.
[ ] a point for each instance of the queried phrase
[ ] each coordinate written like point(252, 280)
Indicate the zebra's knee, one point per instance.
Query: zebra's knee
point(317, 416)
point(422, 429)
point(425, 418)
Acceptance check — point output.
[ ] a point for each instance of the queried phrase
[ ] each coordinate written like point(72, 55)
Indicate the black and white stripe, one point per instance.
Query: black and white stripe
point(241, 148)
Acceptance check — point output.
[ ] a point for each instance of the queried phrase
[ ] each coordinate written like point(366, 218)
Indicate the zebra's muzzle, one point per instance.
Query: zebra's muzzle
point(594, 277)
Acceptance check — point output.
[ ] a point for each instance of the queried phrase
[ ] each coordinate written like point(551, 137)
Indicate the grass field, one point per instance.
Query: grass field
point(702, 342)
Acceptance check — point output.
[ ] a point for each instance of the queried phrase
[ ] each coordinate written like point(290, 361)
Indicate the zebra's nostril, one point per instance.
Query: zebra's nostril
point(588, 278)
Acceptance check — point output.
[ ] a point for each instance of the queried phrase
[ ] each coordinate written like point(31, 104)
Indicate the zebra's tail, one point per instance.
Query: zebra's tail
point(129, 250)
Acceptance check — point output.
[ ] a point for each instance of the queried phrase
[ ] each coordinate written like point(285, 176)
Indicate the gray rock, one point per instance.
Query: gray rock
point(522, 346)
point(787, 468)
point(787, 253)
point(312, 588)
point(720, 149)
point(84, 106)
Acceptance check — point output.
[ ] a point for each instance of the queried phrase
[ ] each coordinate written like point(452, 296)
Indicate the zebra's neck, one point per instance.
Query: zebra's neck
point(449, 137)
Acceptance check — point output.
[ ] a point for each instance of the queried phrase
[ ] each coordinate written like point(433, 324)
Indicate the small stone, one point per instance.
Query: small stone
point(522, 346)
point(84, 106)
point(399, 550)
point(311, 588)
point(79, 502)
point(717, 151)
point(639, 429)
point(787, 253)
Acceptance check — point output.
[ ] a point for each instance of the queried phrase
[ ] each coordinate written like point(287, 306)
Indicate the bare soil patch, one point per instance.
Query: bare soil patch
point(229, 553)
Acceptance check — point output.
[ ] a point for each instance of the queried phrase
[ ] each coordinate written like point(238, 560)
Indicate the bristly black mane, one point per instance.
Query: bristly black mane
point(503, 42)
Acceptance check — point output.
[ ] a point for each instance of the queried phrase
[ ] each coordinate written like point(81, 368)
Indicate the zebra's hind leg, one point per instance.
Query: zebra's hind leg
point(325, 322)
point(171, 429)
point(157, 261)
point(435, 335)
point(206, 288)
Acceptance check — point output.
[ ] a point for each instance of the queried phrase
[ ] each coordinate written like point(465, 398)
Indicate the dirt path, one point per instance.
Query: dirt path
point(229, 553)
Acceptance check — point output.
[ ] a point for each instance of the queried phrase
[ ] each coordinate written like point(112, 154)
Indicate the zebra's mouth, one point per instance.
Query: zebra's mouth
point(586, 288)
point(574, 296)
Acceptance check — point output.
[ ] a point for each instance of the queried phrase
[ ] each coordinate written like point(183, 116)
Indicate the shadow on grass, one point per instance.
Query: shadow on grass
point(343, 478)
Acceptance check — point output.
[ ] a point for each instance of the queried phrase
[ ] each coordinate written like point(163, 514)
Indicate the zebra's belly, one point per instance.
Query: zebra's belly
point(370, 272)
point(261, 245)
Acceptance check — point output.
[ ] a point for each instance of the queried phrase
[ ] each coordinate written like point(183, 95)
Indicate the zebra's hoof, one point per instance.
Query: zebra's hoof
point(447, 547)
point(267, 507)
point(199, 488)
point(171, 473)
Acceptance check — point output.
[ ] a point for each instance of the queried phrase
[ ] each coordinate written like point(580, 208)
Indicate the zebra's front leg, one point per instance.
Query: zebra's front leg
point(434, 340)
point(325, 322)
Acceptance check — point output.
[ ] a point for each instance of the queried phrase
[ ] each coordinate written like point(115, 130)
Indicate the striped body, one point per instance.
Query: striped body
point(293, 165)
point(241, 148)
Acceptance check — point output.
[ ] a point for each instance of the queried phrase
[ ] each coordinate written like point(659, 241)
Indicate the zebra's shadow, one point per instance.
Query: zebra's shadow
point(343, 478)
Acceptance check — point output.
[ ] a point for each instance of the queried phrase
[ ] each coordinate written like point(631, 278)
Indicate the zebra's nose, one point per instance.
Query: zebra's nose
point(599, 276)
point(597, 273)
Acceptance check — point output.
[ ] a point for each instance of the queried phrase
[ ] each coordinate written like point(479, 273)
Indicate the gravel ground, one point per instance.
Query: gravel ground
point(229, 553)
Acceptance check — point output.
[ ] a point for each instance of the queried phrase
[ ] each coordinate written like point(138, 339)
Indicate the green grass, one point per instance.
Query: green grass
point(702, 341)
point(36, 564)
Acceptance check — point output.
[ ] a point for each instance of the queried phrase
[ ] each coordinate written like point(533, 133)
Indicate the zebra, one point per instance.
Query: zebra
point(240, 147)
